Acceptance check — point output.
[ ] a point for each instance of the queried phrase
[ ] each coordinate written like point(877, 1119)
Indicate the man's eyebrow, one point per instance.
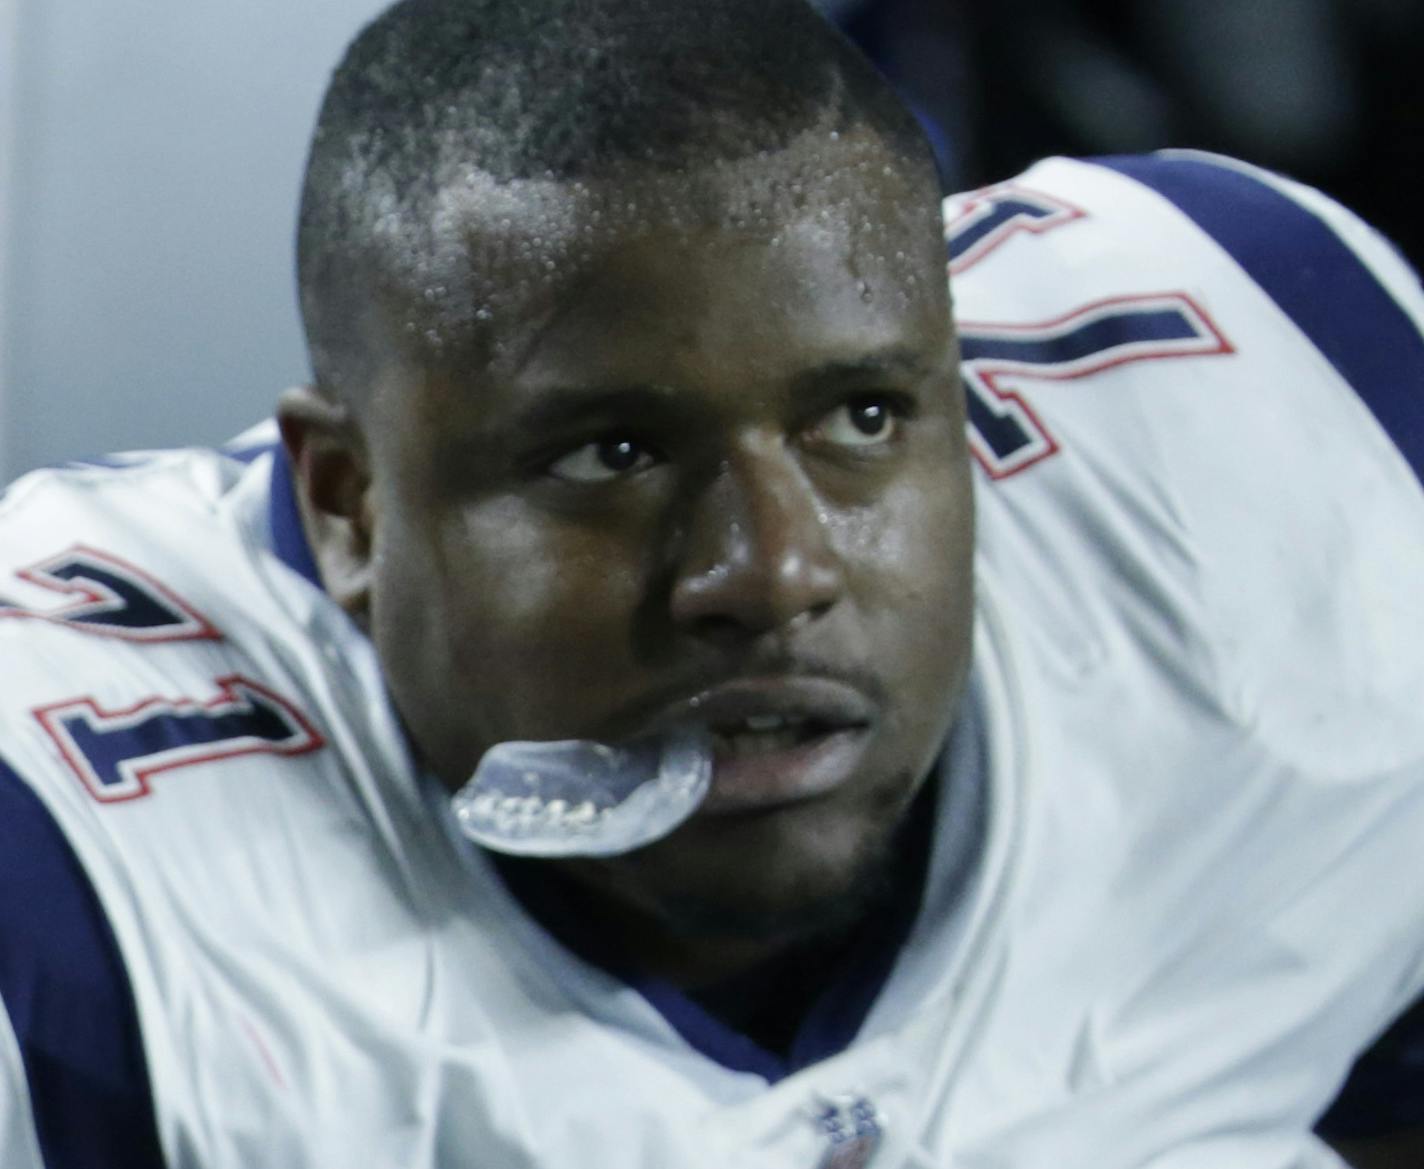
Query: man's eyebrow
point(885, 363)
point(560, 406)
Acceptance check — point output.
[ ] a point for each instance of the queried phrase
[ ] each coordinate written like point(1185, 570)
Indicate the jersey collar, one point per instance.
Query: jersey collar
point(284, 520)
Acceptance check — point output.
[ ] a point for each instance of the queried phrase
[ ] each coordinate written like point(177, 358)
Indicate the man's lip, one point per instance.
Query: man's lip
point(786, 776)
point(828, 703)
point(837, 718)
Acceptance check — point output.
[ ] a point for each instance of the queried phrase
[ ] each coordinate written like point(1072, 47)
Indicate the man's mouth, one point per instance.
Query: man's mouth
point(760, 734)
point(779, 740)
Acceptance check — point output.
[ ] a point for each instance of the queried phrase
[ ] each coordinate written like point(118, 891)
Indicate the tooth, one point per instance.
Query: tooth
point(764, 722)
point(584, 813)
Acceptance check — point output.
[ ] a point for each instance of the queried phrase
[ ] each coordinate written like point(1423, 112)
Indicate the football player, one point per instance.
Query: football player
point(982, 737)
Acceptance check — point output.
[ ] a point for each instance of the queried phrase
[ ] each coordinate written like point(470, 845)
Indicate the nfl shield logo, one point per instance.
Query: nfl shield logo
point(853, 1128)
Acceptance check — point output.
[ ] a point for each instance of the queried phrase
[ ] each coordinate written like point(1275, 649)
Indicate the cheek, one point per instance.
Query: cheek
point(496, 624)
point(916, 593)
point(540, 588)
point(917, 543)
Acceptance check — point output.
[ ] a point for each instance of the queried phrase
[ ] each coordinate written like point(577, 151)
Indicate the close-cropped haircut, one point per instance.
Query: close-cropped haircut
point(561, 90)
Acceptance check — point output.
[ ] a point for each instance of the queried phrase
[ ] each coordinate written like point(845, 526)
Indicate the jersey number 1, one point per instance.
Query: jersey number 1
point(114, 753)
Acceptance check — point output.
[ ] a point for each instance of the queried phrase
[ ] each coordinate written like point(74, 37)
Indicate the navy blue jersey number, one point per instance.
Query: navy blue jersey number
point(987, 218)
point(109, 597)
point(1006, 434)
point(114, 753)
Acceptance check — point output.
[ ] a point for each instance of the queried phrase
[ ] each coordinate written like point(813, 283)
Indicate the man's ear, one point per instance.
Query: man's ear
point(331, 475)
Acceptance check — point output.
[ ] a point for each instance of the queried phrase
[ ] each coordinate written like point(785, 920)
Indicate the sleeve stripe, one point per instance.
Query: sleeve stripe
point(70, 1003)
point(1313, 276)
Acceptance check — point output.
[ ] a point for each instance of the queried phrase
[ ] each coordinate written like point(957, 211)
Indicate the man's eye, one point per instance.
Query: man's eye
point(601, 461)
point(861, 422)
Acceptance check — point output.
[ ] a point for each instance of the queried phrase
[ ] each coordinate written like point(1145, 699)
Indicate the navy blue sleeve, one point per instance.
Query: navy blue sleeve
point(1385, 1091)
point(70, 1003)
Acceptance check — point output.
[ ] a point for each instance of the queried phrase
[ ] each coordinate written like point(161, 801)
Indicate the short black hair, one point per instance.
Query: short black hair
point(562, 90)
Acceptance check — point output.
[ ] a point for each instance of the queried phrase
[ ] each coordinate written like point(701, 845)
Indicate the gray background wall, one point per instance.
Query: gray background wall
point(150, 158)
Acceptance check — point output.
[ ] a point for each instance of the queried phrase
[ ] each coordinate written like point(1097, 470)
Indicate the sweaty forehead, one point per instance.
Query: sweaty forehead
point(499, 256)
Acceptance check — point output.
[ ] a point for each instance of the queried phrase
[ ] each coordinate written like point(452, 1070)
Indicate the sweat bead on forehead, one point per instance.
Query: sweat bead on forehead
point(501, 257)
point(473, 158)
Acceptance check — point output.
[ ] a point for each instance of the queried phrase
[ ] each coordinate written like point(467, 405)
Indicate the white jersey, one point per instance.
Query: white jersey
point(237, 929)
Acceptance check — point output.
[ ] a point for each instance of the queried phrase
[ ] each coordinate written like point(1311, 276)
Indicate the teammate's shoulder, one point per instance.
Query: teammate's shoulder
point(1198, 390)
point(1265, 222)
point(138, 489)
point(131, 569)
point(1318, 260)
point(131, 504)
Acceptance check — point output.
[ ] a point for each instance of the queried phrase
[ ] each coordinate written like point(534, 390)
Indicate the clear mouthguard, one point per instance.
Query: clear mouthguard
point(580, 798)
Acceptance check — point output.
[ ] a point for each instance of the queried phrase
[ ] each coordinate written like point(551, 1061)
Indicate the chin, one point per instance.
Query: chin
point(793, 873)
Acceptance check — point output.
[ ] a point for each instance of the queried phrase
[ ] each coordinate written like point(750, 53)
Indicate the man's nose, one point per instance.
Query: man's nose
point(758, 552)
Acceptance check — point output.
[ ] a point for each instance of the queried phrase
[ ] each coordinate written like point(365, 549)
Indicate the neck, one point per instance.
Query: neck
point(764, 987)
point(697, 961)
point(638, 943)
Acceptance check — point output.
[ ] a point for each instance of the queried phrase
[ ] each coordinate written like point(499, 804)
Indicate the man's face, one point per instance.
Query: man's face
point(715, 472)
